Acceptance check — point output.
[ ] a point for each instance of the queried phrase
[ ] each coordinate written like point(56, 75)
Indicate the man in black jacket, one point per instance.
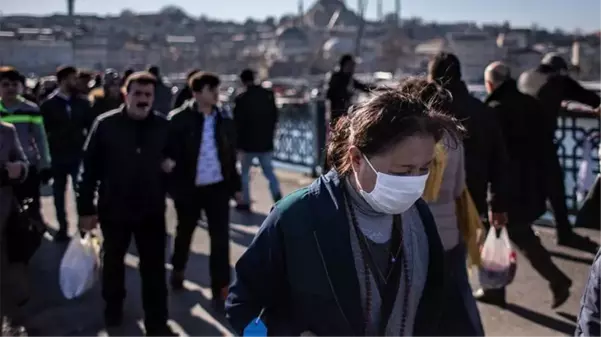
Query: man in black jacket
point(109, 96)
point(341, 85)
point(256, 116)
point(519, 116)
point(201, 154)
point(551, 85)
point(185, 93)
point(123, 154)
point(67, 119)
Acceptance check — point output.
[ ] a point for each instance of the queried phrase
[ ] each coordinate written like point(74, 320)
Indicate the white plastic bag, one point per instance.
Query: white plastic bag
point(586, 176)
point(498, 261)
point(79, 266)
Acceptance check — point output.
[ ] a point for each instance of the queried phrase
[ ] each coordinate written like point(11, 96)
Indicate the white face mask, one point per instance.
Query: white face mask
point(394, 194)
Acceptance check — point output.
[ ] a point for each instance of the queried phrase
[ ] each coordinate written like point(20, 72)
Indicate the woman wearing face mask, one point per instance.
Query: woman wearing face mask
point(357, 252)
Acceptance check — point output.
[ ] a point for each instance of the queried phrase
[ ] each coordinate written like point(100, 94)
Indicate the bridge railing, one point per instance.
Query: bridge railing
point(301, 137)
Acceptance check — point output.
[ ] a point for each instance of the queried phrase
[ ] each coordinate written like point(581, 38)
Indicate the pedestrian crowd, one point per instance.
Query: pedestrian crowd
point(377, 245)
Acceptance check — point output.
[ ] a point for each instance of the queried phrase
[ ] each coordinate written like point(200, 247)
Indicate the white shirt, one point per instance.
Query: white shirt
point(208, 167)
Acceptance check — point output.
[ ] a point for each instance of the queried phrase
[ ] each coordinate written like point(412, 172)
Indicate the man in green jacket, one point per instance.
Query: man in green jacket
point(28, 122)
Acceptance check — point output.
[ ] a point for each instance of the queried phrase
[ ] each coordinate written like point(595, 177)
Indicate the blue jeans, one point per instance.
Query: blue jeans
point(265, 162)
point(60, 174)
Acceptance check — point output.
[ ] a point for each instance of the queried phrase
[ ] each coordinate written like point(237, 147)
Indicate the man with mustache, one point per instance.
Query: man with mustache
point(123, 155)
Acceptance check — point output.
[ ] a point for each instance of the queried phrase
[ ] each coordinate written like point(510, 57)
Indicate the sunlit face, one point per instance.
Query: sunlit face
point(9, 89)
point(207, 95)
point(139, 99)
point(410, 157)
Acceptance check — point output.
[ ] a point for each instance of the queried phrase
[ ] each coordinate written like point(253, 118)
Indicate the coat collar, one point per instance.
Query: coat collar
point(507, 88)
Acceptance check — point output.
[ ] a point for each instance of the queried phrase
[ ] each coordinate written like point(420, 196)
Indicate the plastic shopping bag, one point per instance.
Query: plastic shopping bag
point(498, 260)
point(79, 266)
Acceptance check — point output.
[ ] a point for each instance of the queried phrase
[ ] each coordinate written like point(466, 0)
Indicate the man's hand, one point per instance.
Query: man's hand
point(239, 155)
point(14, 169)
point(497, 220)
point(88, 222)
point(168, 165)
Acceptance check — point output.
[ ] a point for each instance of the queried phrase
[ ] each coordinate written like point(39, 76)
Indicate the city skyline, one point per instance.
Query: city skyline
point(549, 14)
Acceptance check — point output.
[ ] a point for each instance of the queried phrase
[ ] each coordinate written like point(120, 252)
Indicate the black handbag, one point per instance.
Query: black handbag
point(23, 232)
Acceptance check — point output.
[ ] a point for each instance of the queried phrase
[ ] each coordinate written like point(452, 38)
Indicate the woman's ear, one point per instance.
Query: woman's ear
point(355, 157)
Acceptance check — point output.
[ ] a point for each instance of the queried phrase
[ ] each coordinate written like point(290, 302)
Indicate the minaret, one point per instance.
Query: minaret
point(380, 10)
point(70, 7)
point(301, 12)
point(397, 11)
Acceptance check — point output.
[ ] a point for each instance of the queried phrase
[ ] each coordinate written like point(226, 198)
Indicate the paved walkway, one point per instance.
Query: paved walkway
point(50, 314)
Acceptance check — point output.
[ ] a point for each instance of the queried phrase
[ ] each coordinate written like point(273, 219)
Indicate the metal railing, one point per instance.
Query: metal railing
point(301, 136)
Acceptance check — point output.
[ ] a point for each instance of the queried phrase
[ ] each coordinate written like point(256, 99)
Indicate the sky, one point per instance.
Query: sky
point(565, 14)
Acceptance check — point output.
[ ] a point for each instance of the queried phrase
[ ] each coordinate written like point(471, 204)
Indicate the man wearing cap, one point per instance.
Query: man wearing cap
point(551, 85)
point(109, 96)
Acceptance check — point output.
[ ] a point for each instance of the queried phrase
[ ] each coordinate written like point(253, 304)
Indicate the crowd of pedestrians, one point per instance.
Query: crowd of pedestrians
point(361, 251)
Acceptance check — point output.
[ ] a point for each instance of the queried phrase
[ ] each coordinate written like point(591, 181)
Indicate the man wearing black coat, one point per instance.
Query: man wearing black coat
point(340, 87)
point(550, 84)
point(256, 116)
point(201, 156)
point(123, 162)
point(519, 116)
point(67, 119)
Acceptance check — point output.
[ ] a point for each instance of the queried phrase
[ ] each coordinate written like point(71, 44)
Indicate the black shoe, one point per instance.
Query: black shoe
point(163, 330)
point(579, 242)
point(177, 280)
point(561, 293)
point(113, 315)
point(61, 236)
point(243, 207)
point(491, 296)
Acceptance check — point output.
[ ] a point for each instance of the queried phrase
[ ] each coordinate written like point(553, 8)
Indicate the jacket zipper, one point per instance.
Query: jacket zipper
point(323, 262)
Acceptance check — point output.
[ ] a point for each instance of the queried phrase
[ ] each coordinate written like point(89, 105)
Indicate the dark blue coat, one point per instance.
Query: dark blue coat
point(588, 318)
point(300, 268)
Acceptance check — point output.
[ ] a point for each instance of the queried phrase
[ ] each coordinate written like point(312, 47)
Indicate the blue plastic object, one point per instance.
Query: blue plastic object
point(255, 328)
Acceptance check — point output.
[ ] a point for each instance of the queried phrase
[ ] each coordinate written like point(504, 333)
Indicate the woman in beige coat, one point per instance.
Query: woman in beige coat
point(13, 170)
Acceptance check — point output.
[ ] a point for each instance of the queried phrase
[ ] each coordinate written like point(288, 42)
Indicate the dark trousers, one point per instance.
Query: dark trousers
point(214, 200)
point(30, 189)
point(556, 191)
point(150, 236)
point(60, 173)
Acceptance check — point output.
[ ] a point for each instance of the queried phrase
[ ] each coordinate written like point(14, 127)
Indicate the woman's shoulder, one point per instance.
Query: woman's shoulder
point(300, 210)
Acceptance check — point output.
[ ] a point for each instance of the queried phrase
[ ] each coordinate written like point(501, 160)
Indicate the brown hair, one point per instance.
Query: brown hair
point(141, 77)
point(9, 73)
point(392, 115)
point(201, 79)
